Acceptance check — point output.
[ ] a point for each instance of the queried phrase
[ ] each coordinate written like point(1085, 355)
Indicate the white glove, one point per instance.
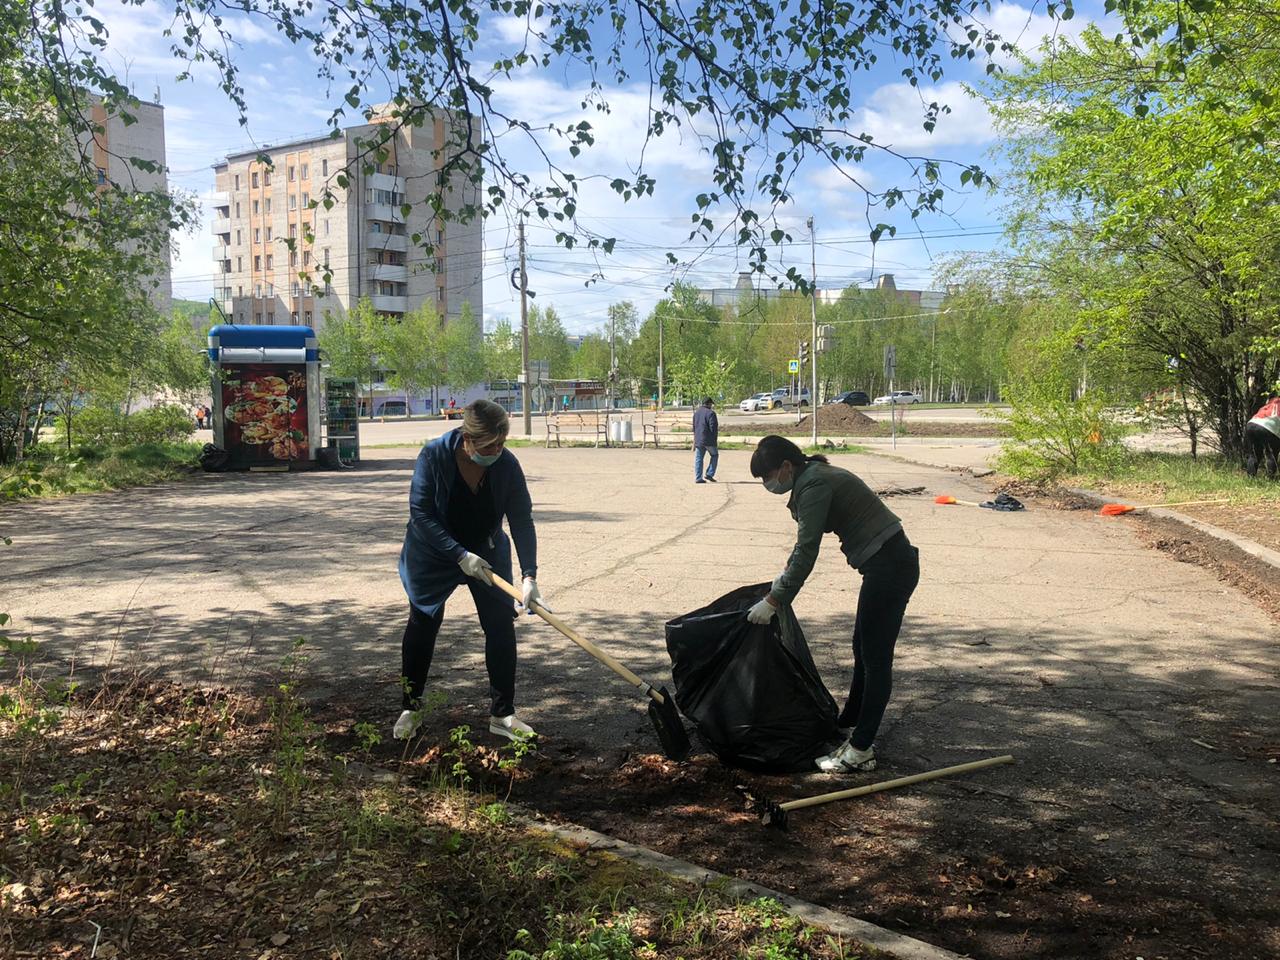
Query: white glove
point(477, 567)
point(533, 595)
point(762, 612)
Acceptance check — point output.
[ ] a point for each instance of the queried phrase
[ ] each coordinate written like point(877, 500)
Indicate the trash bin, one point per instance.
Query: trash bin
point(625, 432)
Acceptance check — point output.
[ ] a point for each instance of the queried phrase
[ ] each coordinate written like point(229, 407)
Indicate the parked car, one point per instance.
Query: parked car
point(759, 401)
point(898, 396)
point(392, 408)
point(782, 397)
point(854, 398)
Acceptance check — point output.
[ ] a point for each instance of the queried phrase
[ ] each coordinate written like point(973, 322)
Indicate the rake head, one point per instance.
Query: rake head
point(1115, 510)
point(945, 499)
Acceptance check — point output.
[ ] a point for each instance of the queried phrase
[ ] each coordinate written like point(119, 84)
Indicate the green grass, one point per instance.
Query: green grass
point(1171, 477)
point(53, 471)
point(183, 786)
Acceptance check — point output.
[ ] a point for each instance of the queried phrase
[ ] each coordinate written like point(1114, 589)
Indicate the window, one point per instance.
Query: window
point(102, 175)
point(293, 230)
point(303, 174)
point(266, 178)
point(294, 316)
point(306, 258)
point(239, 289)
point(326, 228)
point(296, 291)
point(271, 289)
point(257, 291)
point(306, 199)
point(291, 174)
point(256, 208)
point(237, 181)
point(268, 234)
point(328, 290)
point(257, 318)
point(239, 264)
point(240, 317)
point(268, 261)
point(324, 168)
point(293, 201)
point(268, 204)
point(271, 316)
point(293, 258)
point(257, 234)
point(440, 237)
point(308, 318)
point(238, 240)
point(253, 179)
point(237, 211)
point(257, 264)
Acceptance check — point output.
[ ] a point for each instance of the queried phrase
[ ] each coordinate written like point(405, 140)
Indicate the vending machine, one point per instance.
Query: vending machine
point(267, 395)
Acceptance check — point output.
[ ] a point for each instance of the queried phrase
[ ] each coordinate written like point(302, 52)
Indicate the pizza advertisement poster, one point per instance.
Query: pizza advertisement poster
point(264, 407)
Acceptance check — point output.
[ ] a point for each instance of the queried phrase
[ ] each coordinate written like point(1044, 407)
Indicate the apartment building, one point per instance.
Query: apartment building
point(364, 238)
point(747, 290)
point(113, 146)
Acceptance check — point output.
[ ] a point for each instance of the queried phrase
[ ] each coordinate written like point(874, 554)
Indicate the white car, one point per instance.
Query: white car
point(760, 401)
point(898, 396)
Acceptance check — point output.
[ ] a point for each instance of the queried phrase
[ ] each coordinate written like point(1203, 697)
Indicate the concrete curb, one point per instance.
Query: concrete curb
point(887, 942)
point(1251, 547)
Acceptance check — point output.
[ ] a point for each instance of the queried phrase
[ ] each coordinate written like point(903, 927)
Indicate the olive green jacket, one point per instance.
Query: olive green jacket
point(827, 499)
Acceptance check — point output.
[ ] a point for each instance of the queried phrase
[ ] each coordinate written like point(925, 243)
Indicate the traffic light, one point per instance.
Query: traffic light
point(804, 352)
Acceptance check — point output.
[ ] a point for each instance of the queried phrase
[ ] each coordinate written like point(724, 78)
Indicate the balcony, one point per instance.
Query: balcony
point(221, 223)
point(384, 212)
point(384, 181)
point(395, 272)
point(385, 304)
point(221, 252)
point(388, 241)
point(219, 198)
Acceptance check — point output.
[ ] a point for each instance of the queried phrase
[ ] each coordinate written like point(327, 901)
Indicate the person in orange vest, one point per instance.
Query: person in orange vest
point(1262, 438)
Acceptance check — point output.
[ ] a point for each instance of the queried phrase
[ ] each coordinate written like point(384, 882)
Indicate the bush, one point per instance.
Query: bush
point(1052, 435)
point(106, 427)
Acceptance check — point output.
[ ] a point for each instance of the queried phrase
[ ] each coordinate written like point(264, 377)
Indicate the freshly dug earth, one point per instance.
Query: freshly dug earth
point(1260, 521)
point(838, 419)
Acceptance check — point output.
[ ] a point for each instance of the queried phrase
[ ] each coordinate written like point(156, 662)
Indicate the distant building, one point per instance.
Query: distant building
point(365, 237)
point(745, 290)
point(113, 147)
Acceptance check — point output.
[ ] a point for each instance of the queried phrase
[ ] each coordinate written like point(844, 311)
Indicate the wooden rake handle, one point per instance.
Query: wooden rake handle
point(578, 638)
point(894, 784)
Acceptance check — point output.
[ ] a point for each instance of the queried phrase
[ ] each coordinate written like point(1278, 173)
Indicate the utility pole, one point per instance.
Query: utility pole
point(526, 393)
point(661, 372)
point(813, 343)
point(613, 361)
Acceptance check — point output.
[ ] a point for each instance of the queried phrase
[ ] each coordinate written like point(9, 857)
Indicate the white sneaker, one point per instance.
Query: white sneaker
point(406, 726)
point(847, 759)
point(511, 728)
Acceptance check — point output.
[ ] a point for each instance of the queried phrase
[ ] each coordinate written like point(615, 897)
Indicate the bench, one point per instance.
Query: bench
point(573, 423)
point(449, 414)
point(666, 424)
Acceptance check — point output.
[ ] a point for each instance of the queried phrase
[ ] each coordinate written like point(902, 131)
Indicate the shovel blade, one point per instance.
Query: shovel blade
point(669, 727)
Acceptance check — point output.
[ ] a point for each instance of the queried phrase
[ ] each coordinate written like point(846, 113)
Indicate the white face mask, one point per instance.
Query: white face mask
point(778, 485)
point(479, 459)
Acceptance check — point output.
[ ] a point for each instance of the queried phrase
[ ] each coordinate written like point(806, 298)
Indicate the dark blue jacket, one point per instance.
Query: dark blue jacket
point(429, 559)
point(706, 428)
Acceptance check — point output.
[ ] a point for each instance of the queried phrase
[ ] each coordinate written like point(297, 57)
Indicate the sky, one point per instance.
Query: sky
point(288, 100)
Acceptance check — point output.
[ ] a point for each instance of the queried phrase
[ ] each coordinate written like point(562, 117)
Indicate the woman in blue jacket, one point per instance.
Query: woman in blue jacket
point(464, 483)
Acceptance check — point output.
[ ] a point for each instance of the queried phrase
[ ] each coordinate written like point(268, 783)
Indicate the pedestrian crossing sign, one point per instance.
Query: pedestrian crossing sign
point(793, 366)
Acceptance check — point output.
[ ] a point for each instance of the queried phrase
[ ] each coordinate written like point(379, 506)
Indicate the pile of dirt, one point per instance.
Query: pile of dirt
point(836, 418)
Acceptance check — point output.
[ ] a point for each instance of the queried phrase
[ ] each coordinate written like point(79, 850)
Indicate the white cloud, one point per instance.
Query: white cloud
point(1026, 29)
point(894, 115)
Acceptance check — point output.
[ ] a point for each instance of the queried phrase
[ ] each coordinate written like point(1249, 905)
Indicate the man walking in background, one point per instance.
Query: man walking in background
point(706, 431)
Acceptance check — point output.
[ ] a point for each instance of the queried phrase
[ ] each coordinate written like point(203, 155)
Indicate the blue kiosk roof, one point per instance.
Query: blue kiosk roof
point(258, 335)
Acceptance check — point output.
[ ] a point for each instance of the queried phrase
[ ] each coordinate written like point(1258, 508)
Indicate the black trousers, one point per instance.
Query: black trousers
point(888, 580)
point(496, 620)
point(1263, 445)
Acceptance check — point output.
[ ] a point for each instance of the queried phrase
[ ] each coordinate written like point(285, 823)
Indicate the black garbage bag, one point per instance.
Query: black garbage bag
point(752, 691)
point(1004, 503)
point(213, 459)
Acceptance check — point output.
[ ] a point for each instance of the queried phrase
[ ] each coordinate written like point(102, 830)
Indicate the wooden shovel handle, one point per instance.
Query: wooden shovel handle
point(894, 784)
point(578, 638)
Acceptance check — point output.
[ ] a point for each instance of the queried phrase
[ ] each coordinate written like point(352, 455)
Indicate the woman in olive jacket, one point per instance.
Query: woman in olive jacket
point(827, 499)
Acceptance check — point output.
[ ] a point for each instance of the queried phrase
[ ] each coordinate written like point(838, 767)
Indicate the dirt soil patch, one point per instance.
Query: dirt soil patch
point(838, 419)
point(1260, 521)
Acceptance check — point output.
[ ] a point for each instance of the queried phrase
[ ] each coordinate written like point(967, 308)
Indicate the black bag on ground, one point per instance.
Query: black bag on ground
point(752, 691)
point(213, 459)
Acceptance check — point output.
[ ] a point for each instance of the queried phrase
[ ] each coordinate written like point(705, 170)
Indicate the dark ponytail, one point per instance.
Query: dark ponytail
point(773, 451)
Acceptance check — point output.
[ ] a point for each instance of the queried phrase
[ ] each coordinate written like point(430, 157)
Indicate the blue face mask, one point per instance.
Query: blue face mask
point(485, 461)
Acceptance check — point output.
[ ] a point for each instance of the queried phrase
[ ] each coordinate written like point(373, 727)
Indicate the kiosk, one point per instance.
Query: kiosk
point(267, 394)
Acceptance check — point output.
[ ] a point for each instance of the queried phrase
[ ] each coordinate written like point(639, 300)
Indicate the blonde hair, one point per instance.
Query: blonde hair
point(484, 423)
